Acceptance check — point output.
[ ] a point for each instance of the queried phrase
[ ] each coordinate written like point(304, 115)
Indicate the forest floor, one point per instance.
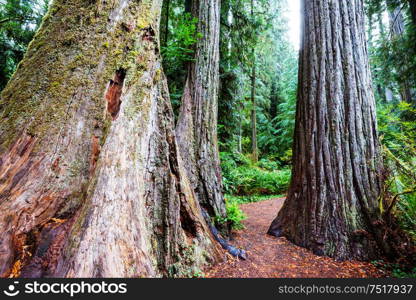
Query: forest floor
point(270, 257)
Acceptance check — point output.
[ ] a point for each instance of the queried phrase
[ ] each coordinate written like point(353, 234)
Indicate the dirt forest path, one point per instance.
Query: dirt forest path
point(270, 257)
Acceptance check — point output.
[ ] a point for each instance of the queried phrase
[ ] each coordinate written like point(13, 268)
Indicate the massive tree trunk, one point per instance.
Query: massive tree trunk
point(333, 197)
point(197, 124)
point(91, 181)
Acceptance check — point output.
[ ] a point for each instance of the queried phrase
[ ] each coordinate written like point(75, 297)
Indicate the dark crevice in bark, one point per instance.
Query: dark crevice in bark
point(149, 34)
point(20, 175)
point(95, 153)
point(49, 241)
point(114, 92)
point(37, 252)
point(187, 222)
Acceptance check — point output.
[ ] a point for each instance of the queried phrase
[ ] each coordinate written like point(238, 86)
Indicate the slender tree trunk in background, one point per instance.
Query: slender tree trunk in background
point(91, 181)
point(165, 23)
point(381, 25)
point(274, 100)
point(188, 6)
point(240, 134)
point(397, 28)
point(389, 96)
point(396, 21)
point(332, 201)
point(381, 91)
point(254, 148)
point(412, 5)
point(197, 124)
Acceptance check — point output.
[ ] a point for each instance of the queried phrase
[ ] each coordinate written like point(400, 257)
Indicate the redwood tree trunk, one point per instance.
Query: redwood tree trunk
point(332, 201)
point(197, 124)
point(91, 181)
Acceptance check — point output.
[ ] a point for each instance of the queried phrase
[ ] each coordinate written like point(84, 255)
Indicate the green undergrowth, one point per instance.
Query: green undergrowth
point(248, 182)
point(395, 270)
point(397, 128)
point(399, 273)
point(235, 215)
point(241, 177)
point(252, 198)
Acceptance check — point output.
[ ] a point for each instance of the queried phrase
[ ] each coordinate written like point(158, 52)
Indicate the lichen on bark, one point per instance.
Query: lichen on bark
point(111, 186)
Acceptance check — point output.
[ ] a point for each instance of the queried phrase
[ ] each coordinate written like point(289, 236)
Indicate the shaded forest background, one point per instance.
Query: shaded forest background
point(258, 90)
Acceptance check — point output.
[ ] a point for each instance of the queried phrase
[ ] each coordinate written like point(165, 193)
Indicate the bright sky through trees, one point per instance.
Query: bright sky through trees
point(294, 22)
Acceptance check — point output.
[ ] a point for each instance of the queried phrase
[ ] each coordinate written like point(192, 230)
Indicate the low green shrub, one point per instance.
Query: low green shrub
point(394, 269)
point(244, 181)
point(235, 215)
point(268, 165)
point(241, 177)
point(400, 273)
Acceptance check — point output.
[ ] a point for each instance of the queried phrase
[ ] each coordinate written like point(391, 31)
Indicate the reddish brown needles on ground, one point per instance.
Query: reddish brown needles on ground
point(270, 257)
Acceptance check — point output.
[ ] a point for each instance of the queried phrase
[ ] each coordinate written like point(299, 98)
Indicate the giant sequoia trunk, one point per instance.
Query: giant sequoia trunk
point(333, 198)
point(91, 182)
point(197, 123)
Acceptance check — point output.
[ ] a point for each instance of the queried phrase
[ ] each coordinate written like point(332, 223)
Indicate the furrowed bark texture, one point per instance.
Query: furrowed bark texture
point(332, 201)
point(91, 182)
point(197, 124)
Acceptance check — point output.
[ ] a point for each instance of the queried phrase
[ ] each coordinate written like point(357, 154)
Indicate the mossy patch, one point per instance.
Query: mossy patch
point(72, 52)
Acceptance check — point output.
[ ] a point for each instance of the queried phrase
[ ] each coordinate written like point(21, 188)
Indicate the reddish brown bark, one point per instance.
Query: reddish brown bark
point(197, 124)
point(333, 197)
point(91, 181)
